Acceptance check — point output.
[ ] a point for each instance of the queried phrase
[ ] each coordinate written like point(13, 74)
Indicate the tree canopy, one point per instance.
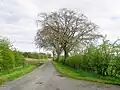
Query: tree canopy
point(64, 30)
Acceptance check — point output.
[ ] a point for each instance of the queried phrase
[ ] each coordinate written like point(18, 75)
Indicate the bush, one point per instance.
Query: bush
point(75, 61)
point(103, 60)
point(61, 59)
point(6, 55)
point(9, 58)
point(19, 58)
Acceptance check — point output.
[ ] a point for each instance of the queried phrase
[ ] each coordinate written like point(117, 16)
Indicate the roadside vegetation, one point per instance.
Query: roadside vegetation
point(13, 63)
point(103, 59)
point(99, 63)
point(71, 34)
point(15, 73)
point(84, 75)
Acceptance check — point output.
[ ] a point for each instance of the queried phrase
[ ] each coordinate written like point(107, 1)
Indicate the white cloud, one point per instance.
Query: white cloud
point(17, 17)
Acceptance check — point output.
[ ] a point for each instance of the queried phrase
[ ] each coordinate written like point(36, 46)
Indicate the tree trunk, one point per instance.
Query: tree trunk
point(53, 55)
point(58, 57)
point(65, 56)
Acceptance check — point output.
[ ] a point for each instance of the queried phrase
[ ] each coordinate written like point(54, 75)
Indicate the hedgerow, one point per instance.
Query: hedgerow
point(9, 58)
point(103, 59)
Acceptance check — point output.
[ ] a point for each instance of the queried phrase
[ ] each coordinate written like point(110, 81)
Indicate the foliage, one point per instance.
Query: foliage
point(19, 58)
point(64, 30)
point(12, 62)
point(9, 58)
point(35, 55)
point(103, 59)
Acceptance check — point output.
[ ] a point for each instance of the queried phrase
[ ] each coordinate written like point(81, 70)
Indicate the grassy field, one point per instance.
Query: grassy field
point(82, 75)
point(34, 61)
point(31, 64)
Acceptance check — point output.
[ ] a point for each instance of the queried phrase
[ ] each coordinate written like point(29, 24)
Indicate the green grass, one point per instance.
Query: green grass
point(13, 74)
point(82, 75)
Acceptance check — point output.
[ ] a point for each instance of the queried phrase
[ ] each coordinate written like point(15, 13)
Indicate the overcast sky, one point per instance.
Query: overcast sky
point(17, 17)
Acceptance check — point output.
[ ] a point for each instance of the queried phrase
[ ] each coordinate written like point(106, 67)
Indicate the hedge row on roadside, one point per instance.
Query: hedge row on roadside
point(10, 58)
point(103, 59)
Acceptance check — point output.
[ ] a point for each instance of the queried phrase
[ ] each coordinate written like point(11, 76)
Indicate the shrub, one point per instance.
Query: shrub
point(9, 58)
point(103, 59)
point(19, 58)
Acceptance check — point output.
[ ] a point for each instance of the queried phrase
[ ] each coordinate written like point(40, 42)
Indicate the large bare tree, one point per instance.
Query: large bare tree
point(45, 38)
point(67, 29)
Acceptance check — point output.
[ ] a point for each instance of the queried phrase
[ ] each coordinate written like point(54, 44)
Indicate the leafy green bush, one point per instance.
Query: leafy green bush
point(19, 58)
point(61, 59)
point(103, 59)
point(9, 58)
point(75, 61)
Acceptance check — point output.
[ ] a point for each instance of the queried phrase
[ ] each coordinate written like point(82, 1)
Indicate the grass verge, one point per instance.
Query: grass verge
point(4, 76)
point(82, 75)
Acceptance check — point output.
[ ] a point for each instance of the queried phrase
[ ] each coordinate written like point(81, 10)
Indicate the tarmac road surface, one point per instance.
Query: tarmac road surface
point(46, 78)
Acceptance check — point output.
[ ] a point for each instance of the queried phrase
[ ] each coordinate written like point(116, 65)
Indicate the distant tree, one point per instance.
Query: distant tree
point(66, 29)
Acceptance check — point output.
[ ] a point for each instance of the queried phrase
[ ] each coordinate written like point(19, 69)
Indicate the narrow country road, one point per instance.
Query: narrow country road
point(46, 78)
